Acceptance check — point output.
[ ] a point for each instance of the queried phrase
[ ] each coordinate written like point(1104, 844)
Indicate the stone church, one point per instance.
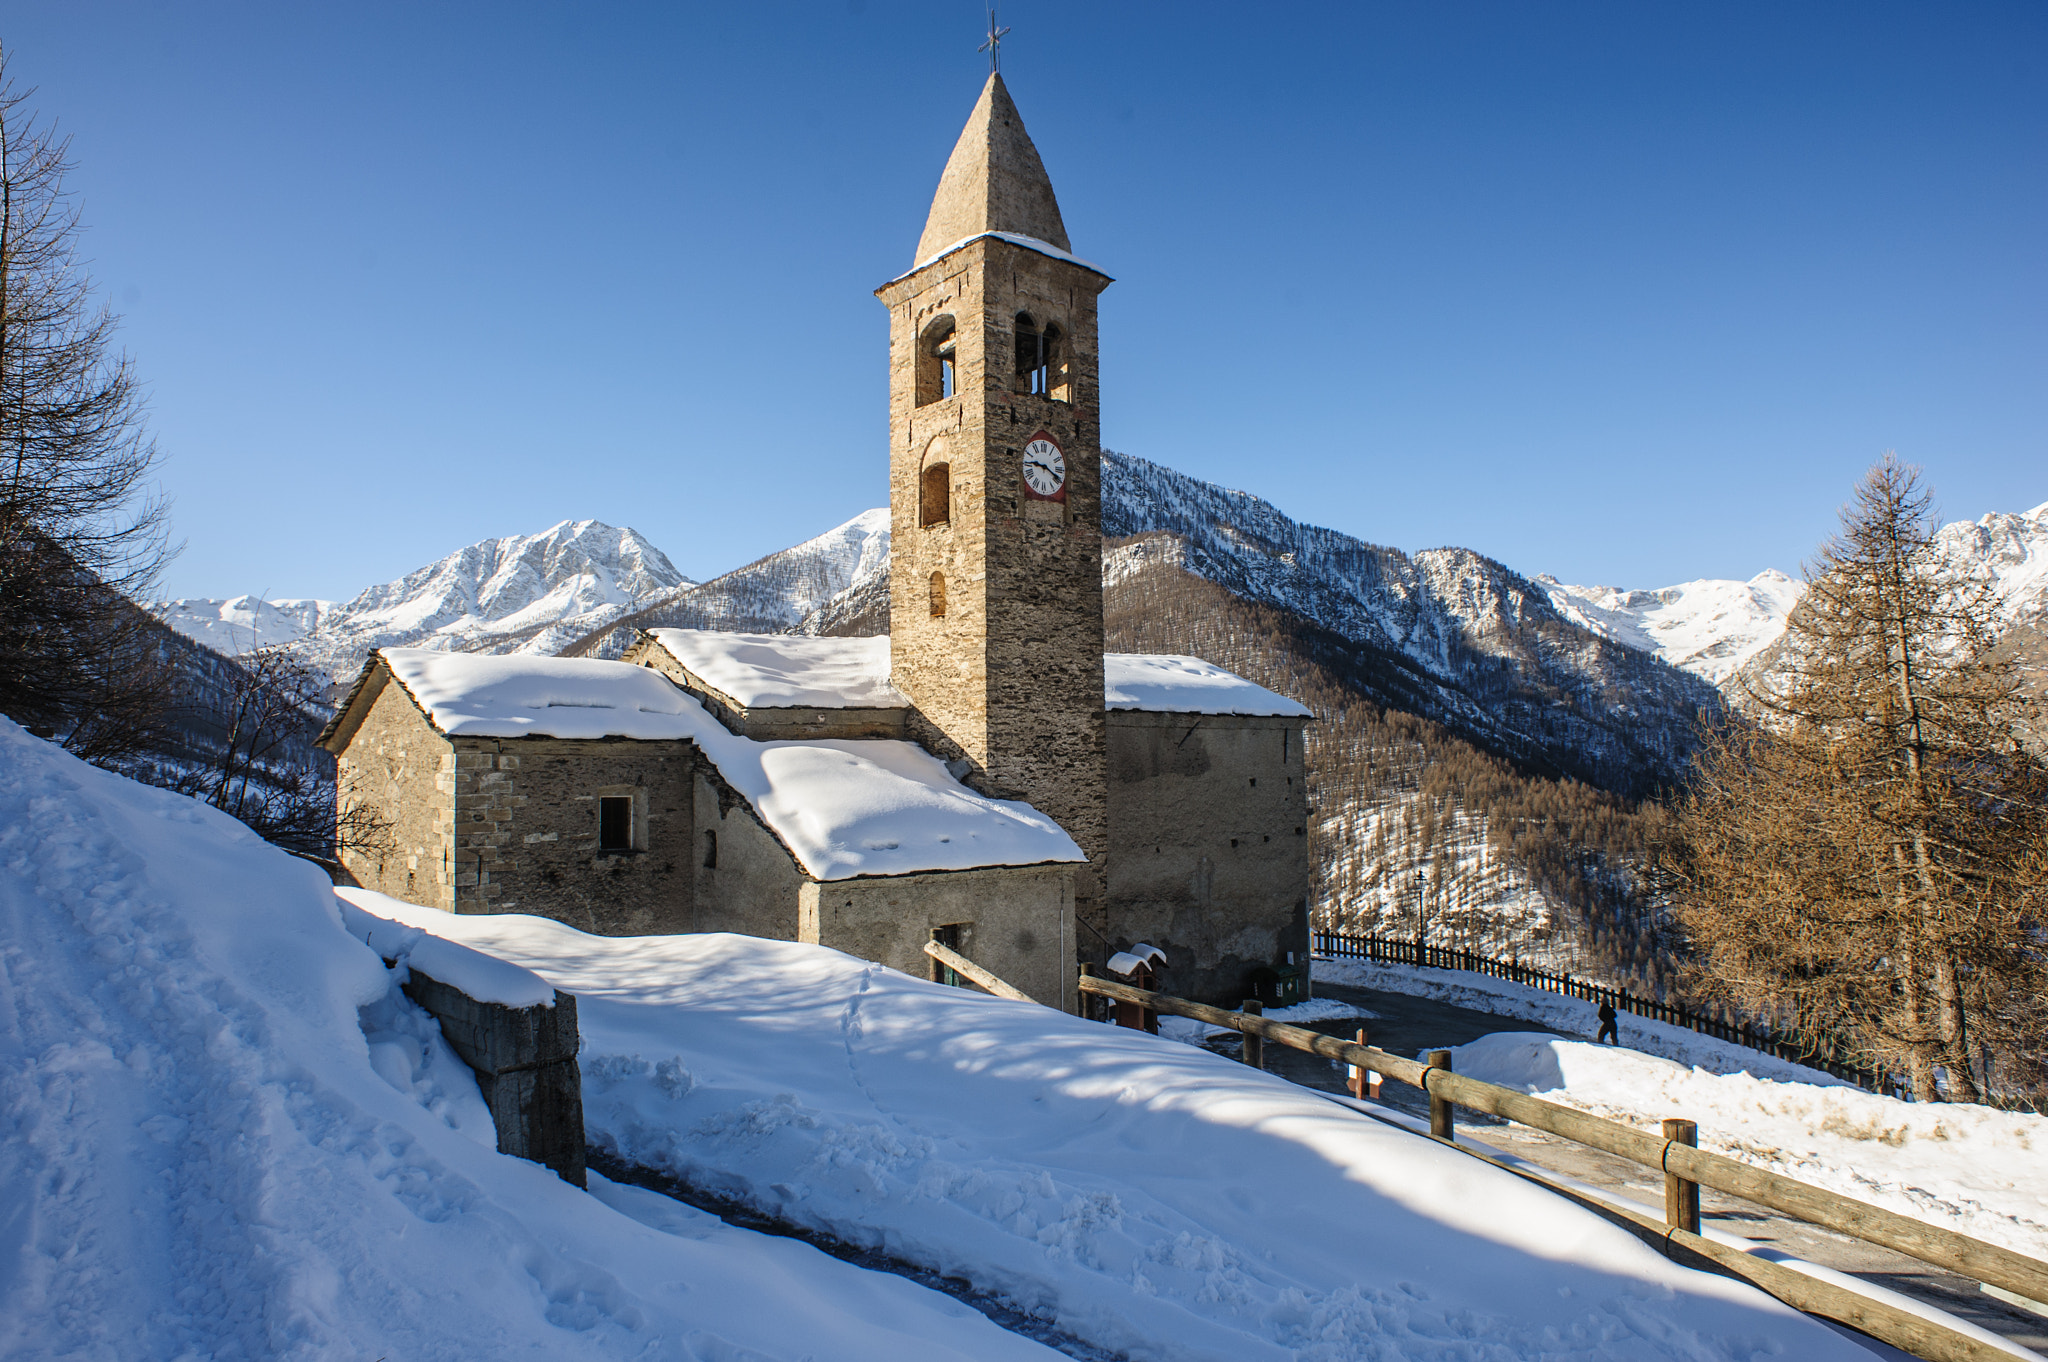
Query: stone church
point(983, 775)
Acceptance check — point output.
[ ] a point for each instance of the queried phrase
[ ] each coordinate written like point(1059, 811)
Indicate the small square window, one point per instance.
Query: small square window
point(615, 823)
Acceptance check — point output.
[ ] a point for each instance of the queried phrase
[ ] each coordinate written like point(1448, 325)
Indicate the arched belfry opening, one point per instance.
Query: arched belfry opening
point(937, 376)
point(935, 495)
point(1041, 361)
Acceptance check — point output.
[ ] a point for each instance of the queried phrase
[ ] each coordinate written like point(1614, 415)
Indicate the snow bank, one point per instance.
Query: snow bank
point(1570, 1015)
point(1186, 685)
point(1155, 1200)
point(224, 1134)
point(788, 670)
point(1974, 1169)
point(485, 978)
point(844, 807)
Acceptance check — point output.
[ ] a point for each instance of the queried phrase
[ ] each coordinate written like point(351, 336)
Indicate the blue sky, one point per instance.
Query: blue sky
point(1629, 293)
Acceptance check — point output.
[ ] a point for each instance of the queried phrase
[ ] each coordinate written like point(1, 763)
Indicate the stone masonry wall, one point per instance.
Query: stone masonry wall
point(1208, 847)
point(753, 887)
point(1011, 677)
point(1015, 921)
point(396, 762)
point(525, 831)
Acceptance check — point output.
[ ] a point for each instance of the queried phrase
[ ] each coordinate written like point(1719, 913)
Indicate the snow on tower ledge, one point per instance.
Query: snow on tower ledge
point(843, 807)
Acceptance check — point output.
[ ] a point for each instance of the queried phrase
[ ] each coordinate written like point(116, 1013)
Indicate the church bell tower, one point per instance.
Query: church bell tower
point(995, 466)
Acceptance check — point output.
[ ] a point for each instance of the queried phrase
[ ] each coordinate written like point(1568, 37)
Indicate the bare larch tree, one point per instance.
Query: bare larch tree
point(1865, 860)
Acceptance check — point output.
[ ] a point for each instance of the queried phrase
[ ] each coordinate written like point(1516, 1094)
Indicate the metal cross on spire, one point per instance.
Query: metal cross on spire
point(994, 45)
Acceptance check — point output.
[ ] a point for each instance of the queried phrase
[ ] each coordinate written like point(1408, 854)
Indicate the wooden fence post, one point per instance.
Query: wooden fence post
point(1681, 1197)
point(1364, 1082)
point(1254, 1045)
point(1439, 1108)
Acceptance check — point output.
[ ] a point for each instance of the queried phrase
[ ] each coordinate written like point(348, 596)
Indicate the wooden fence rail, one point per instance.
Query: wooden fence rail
point(1679, 1160)
point(1392, 951)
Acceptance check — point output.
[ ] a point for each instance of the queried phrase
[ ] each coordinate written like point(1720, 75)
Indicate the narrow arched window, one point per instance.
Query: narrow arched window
point(1031, 370)
point(938, 595)
point(935, 495)
point(937, 378)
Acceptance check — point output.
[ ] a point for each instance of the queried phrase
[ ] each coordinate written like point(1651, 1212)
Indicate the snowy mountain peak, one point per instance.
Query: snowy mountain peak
point(1713, 628)
point(1708, 627)
point(520, 593)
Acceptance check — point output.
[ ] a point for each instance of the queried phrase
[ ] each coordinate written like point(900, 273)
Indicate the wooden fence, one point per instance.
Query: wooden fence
point(1685, 1168)
point(1391, 951)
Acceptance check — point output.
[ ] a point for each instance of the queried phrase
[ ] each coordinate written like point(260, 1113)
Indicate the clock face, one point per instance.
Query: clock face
point(1045, 468)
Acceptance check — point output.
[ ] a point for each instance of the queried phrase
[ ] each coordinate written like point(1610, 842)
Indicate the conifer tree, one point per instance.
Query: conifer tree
point(79, 535)
point(1865, 861)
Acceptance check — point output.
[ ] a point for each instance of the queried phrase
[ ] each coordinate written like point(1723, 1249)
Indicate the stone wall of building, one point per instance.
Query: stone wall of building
point(526, 831)
point(1010, 676)
point(1015, 921)
point(404, 770)
point(753, 887)
point(1208, 847)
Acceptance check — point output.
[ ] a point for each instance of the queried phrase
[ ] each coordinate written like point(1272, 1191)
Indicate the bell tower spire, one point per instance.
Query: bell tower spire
point(995, 487)
point(993, 182)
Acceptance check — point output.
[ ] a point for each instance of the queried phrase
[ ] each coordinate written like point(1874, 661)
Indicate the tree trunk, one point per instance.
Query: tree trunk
point(1955, 1037)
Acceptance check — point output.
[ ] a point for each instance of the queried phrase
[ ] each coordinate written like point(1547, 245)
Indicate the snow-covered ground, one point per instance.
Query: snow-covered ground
point(1974, 1169)
point(1152, 1199)
point(224, 1134)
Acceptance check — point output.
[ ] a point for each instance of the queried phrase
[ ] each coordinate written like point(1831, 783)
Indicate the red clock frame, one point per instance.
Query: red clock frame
point(1033, 494)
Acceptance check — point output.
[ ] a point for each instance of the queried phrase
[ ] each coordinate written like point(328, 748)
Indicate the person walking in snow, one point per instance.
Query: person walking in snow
point(1610, 1032)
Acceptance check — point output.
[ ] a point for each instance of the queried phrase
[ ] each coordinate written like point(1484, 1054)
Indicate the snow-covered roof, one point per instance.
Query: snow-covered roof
point(787, 670)
point(843, 807)
point(1178, 684)
point(759, 670)
point(478, 695)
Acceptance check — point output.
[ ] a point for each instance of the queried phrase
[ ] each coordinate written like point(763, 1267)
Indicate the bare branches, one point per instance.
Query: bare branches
point(78, 530)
